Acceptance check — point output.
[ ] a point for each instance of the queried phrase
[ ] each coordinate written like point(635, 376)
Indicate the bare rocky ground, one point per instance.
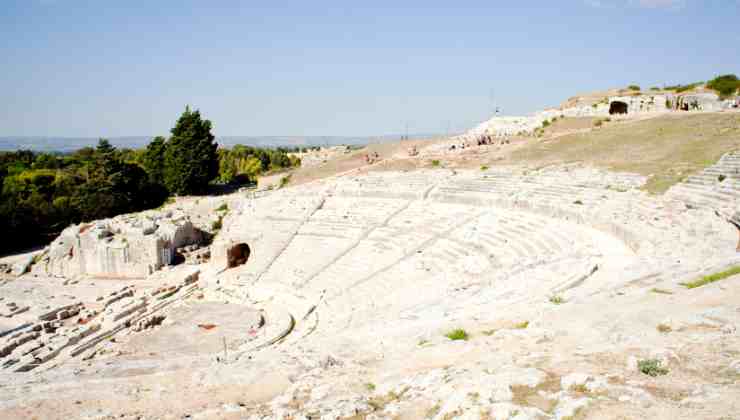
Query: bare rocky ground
point(565, 282)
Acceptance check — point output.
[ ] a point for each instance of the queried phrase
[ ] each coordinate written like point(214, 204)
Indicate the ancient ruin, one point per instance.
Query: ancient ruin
point(125, 246)
point(614, 103)
point(497, 291)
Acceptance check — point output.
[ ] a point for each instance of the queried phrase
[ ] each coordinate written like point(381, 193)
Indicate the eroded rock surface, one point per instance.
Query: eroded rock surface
point(512, 292)
point(124, 246)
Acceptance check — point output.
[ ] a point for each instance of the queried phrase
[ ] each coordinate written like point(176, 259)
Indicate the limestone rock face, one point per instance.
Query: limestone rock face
point(608, 105)
point(124, 246)
point(638, 104)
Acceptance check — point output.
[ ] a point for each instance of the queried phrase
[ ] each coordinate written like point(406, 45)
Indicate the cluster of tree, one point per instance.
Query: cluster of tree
point(242, 164)
point(187, 161)
point(43, 193)
point(727, 85)
point(297, 149)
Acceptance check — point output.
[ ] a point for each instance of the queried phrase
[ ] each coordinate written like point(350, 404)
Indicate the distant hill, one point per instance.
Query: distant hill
point(67, 144)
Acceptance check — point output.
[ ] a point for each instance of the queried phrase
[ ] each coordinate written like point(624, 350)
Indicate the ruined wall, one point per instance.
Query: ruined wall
point(590, 107)
point(125, 246)
point(641, 104)
point(696, 102)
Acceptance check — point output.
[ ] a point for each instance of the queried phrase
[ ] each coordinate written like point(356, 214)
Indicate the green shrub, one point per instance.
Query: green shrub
point(726, 85)
point(217, 224)
point(721, 177)
point(522, 325)
point(285, 180)
point(651, 367)
point(545, 124)
point(598, 123)
point(684, 88)
point(635, 88)
point(223, 207)
point(435, 162)
point(484, 168)
point(702, 281)
point(557, 300)
point(457, 334)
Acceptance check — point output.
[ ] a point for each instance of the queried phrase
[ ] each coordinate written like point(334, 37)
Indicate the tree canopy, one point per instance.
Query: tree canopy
point(42, 193)
point(726, 85)
point(190, 157)
point(247, 163)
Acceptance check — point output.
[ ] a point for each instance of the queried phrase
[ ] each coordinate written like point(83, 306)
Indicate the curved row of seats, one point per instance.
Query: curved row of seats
point(520, 231)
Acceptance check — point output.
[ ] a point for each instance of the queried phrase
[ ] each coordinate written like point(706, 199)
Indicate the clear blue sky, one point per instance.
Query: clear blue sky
point(115, 68)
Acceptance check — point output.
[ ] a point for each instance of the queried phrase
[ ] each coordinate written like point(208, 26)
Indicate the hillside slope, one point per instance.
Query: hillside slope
point(666, 148)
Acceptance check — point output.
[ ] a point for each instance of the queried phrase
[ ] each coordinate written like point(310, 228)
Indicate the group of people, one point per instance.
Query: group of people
point(483, 140)
point(371, 158)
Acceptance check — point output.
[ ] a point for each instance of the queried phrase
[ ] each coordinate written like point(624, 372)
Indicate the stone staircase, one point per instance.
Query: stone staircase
point(716, 187)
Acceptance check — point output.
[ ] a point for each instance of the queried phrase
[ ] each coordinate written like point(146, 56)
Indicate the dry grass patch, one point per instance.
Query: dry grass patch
point(673, 394)
point(432, 411)
point(525, 396)
point(378, 403)
point(661, 291)
point(579, 388)
point(663, 328)
point(666, 148)
point(651, 367)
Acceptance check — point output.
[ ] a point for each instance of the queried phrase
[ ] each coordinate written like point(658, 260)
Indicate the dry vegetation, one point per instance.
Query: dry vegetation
point(667, 148)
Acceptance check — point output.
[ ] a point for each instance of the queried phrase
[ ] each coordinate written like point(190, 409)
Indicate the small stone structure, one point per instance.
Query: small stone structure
point(124, 246)
point(696, 102)
point(614, 104)
point(639, 104)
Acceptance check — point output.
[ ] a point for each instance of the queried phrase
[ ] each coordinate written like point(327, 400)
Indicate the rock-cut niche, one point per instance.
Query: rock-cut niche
point(238, 254)
point(617, 107)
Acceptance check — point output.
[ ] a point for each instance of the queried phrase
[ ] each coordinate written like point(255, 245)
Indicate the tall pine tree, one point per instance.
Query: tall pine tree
point(191, 159)
point(153, 159)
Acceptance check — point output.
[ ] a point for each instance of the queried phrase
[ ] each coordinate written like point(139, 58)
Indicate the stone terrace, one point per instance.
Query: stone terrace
point(315, 289)
point(716, 187)
point(383, 240)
